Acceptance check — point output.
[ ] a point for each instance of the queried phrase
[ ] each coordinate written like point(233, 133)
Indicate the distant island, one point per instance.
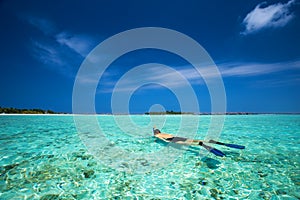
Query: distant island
point(206, 113)
point(26, 111)
point(169, 113)
point(191, 113)
point(41, 111)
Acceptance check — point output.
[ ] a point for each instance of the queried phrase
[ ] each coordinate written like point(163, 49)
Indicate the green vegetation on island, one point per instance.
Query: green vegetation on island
point(169, 113)
point(25, 111)
point(202, 113)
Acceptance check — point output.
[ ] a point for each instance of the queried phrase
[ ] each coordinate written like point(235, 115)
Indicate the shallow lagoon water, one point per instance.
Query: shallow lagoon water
point(43, 157)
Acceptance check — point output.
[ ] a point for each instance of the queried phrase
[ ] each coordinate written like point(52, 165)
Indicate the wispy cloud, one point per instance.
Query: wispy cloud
point(156, 74)
point(282, 73)
point(275, 15)
point(81, 44)
point(289, 79)
point(59, 50)
point(256, 69)
point(159, 76)
point(55, 57)
point(46, 53)
point(46, 26)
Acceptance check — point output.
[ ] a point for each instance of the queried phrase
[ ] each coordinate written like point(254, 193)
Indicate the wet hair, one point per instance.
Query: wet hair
point(156, 131)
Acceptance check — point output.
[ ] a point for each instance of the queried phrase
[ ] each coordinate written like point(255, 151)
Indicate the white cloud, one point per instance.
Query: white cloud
point(155, 74)
point(55, 57)
point(256, 69)
point(275, 15)
point(60, 51)
point(81, 44)
point(46, 54)
point(46, 26)
point(149, 73)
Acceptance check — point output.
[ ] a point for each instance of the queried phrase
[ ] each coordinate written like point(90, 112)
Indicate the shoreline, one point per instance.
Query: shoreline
point(109, 114)
point(19, 114)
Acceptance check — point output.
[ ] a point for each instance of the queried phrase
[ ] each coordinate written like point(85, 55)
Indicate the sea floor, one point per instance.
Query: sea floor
point(50, 157)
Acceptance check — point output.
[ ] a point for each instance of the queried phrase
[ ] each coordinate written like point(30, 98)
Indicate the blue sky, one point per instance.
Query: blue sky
point(255, 45)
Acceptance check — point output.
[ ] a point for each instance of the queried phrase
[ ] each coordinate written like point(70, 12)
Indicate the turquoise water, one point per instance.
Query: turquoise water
point(44, 157)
